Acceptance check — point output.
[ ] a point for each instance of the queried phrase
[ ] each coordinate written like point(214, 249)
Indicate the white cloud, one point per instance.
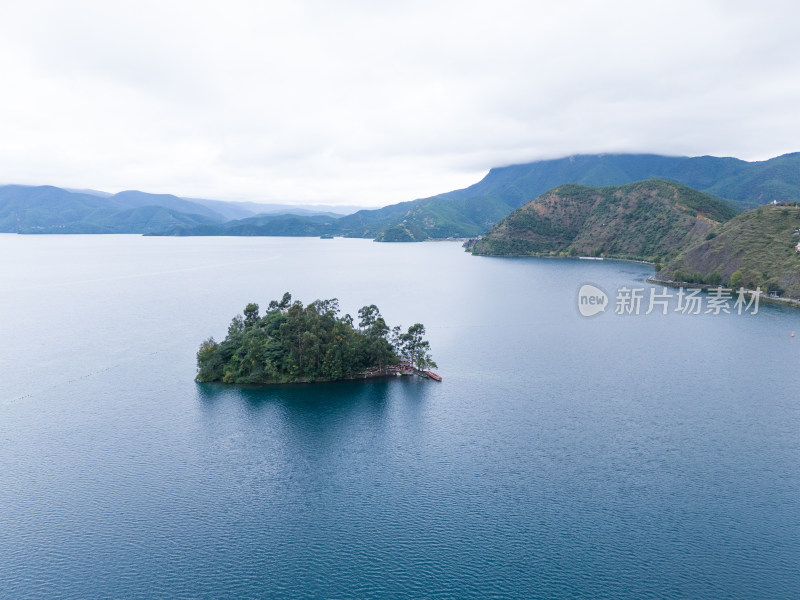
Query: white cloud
point(357, 102)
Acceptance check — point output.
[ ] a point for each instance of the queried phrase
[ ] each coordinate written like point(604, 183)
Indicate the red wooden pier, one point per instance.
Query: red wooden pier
point(432, 375)
point(402, 369)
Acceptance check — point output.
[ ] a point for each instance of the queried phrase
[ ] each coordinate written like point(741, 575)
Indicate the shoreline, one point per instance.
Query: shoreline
point(361, 377)
point(550, 257)
point(762, 297)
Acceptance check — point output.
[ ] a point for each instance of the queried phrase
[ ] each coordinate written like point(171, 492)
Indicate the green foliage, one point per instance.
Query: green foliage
point(415, 348)
point(648, 220)
point(755, 249)
point(250, 314)
point(293, 343)
point(208, 360)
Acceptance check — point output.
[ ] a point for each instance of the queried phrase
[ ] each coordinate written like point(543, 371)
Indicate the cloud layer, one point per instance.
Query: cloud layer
point(355, 102)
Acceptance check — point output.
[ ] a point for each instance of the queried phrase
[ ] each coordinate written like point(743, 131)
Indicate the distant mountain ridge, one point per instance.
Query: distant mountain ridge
point(468, 212)
point(50, 209)
point(283, 224)
point(471, 211)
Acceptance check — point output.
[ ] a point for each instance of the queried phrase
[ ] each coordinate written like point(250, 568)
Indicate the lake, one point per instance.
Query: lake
point(625, 456)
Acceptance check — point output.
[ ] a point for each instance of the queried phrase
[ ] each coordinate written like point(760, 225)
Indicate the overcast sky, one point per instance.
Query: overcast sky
point(371, 102)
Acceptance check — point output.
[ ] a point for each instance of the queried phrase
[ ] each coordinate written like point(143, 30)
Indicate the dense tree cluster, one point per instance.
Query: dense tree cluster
point(294, 343)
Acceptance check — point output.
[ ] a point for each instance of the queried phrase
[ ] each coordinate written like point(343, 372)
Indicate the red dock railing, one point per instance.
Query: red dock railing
point(433, 375)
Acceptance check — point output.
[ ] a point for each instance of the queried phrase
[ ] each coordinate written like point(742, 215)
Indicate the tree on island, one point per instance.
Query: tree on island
point(296, 343)
point(415, 348)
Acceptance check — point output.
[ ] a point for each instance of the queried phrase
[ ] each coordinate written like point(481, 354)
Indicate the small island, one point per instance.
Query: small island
point(293, 343)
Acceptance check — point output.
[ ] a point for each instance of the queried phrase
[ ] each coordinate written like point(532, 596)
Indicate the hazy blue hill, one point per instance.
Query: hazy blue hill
point(144, 219)
point(285, 224)
point(228, 210)
point(300, 209)
point(260, 225)
point(28, 207)
point(49, 209)
point(286, 209)
point(364, 223)
point(137, 199)
point(91, 192)
point(234, 210)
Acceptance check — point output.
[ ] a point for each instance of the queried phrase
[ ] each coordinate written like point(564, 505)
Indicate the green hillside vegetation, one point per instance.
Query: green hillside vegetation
point(368, 223)
point(293, 344)
point(755, 249)
point(472, 211)
point(648, 220)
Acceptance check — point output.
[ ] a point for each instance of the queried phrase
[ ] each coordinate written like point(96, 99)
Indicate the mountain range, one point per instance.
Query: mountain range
point(461, 213)
point(472, 211)
point(49, 209)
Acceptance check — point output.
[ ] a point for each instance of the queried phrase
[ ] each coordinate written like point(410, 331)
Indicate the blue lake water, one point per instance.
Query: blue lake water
point(637, 456)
